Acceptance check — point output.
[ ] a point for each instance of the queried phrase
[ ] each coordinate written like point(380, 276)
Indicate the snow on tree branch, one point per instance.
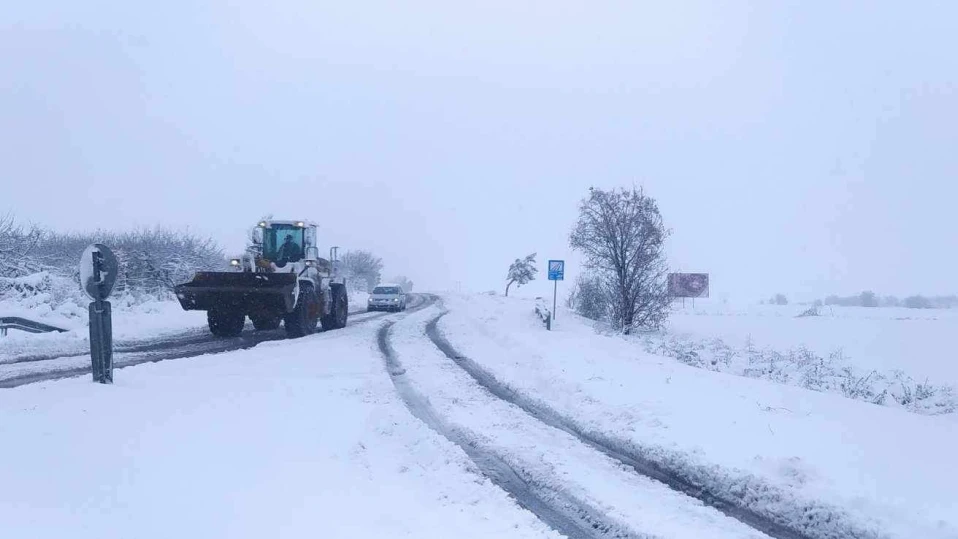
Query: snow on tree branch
point(522, 271)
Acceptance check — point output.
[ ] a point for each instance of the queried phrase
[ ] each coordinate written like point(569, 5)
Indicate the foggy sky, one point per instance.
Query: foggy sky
point(807, 149)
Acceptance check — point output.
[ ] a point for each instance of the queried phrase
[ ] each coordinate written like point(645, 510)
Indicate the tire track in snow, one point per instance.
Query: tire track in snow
point(169, 348)
point(612, 449)
point(558, 510)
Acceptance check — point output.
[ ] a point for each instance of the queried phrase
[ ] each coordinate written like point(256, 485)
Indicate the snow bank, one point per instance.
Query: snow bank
point(297, 439)
point(784, 450)
point(592, 487)
point(43, 297)
point(802, 367)
point(883, 339)
point(130, 323)
point(811, 357)
point(58, 301)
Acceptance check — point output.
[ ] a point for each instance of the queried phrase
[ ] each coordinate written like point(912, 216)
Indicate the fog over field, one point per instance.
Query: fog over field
point(803, 149)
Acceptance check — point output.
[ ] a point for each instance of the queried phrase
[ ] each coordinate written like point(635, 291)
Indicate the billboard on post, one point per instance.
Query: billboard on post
point(689, 285)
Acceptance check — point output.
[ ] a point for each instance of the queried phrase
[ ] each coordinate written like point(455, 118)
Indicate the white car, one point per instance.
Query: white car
point(387, 297)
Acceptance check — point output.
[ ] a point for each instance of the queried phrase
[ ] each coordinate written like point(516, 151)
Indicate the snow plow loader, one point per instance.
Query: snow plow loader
point(281, 279)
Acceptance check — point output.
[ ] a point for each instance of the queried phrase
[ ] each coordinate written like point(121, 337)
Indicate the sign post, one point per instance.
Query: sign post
point(556, 274)
point(98, 272)
point(689, 285)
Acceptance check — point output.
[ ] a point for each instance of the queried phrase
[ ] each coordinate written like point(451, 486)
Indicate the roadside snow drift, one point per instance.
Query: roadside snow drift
point(830, 466)
point(296, 439)
point(58, 301)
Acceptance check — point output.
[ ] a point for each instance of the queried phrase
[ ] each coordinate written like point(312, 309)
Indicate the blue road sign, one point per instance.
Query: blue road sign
point(557, 270)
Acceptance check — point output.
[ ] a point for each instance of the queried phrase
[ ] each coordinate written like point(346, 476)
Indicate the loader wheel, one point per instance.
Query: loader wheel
point(225, 322)
point(339, 312)
point(266, 323)
point(302, 321)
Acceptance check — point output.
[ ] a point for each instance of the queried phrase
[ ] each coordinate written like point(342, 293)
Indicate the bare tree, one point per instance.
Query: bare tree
point(778, 299)
point(588, 298)
point(363, 266)
point(404, 282)
point(622, 236)
point(869, 299)
point(17, 248)
point(521, 271)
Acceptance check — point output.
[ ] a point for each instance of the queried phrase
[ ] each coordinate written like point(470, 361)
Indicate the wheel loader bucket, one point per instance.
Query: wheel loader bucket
point(248, 292)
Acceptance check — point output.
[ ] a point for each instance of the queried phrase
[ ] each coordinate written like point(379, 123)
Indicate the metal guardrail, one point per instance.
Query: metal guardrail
point(544, 314)
point(22, 324)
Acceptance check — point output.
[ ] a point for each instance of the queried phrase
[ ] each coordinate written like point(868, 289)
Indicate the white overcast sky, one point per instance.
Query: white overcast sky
point(802, 147)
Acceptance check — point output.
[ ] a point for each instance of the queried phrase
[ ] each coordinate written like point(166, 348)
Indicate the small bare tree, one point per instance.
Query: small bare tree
point(521, 271)
point(363, 266)
point(588, 298)
point(404, 282)
point(778, 299)
point(17, 245)
point(622, 236)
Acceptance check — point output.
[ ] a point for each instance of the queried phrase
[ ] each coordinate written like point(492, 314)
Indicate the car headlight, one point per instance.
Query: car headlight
point(235, 262)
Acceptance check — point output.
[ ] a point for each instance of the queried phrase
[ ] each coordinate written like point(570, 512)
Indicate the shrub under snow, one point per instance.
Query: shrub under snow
point(802, 367)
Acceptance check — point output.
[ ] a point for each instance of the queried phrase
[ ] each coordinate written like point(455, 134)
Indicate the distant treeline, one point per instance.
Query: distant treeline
point(871, 299)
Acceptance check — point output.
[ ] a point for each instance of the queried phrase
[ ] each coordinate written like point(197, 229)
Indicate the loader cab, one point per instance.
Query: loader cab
point(285, 243)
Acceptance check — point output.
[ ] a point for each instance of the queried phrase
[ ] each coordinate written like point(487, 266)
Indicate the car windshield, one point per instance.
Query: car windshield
point(283, 243)
point(386, 290)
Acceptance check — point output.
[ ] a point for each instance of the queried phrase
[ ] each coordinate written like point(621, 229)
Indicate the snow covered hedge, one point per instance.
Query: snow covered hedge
point(804, 368)
point(152, 261)
point(43, 290)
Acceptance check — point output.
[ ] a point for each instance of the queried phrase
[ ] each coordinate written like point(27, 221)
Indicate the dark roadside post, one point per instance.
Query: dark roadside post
point(98, 272)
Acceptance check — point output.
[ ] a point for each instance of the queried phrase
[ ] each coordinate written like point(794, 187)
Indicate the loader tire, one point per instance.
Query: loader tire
point(339, 311)
point(266, 323)
point(225, 322)
point(302, 321)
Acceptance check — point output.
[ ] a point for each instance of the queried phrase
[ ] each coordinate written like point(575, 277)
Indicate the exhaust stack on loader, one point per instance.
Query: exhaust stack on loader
point(280, 279)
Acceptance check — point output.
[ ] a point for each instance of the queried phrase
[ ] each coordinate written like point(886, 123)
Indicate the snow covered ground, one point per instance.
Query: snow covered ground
point(132, 322)
point(626, 504)
point(788, 451)
point(298, 438)
point(916, 341)
point(310, 438)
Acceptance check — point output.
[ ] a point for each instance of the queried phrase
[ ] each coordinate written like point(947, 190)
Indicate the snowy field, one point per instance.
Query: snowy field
point(784, 450)
point(298, 438)
point(917, 341)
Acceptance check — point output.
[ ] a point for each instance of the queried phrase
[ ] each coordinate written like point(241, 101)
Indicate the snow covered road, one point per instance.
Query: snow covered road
point(571, 485)
point(28, 369)
point(303, 438)
point(139, 332)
